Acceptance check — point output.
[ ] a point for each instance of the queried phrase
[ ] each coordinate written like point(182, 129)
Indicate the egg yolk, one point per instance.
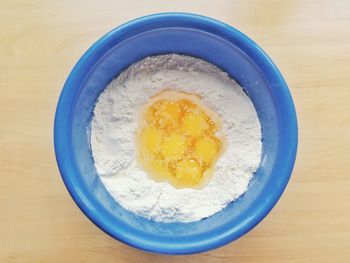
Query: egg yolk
point(177, 139)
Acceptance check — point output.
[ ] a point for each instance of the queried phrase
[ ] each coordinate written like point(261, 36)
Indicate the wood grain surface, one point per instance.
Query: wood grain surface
point(40, 41)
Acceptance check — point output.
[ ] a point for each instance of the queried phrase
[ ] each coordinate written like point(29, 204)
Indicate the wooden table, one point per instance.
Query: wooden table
point(40, 41)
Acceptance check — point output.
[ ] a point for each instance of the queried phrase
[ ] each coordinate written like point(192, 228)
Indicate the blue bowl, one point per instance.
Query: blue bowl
point(197, 36)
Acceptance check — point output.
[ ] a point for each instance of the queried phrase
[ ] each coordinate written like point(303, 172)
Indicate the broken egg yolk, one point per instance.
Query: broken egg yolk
point(177, 139)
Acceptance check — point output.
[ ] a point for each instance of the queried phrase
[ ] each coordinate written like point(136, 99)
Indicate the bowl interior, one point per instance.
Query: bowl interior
point(105, 61)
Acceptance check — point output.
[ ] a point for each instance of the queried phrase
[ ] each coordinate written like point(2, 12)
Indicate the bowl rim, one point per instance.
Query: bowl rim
point(62, 113)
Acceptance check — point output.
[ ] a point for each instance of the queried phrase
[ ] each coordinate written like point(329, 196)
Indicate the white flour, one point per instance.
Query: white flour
point(113, 143)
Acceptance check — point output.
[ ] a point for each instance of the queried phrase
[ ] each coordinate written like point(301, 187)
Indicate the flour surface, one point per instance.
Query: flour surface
point(113, 138)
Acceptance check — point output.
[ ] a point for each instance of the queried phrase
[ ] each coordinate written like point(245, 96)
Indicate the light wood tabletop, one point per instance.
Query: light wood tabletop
point(40, 41)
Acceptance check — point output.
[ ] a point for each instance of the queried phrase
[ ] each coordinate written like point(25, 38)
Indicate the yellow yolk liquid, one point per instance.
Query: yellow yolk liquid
point(177, 139)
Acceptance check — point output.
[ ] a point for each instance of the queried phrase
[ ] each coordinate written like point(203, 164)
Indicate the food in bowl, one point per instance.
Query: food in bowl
point(175, 139)
point(199, 37)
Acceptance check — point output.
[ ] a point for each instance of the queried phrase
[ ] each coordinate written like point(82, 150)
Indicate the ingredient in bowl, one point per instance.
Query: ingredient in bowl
point(116, 119)
point(178, 139)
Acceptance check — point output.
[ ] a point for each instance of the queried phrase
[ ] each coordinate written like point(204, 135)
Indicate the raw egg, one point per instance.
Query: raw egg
point(178, 139)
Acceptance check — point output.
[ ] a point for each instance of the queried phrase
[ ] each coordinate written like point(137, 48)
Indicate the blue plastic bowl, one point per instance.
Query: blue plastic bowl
point(197, 36)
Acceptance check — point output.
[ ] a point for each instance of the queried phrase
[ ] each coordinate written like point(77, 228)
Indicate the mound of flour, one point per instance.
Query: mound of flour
point(113, 138)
